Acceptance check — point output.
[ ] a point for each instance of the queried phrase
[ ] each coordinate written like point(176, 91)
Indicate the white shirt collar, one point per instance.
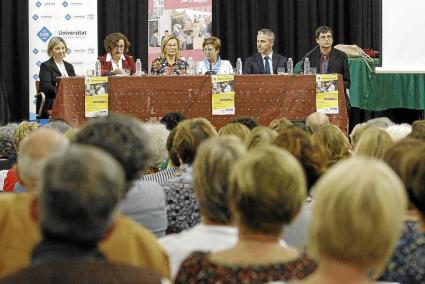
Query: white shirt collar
point(109, 57)
point(269, 55)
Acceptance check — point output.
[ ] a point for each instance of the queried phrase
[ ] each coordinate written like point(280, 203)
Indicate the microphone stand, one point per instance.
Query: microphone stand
point(210, 72)
point(305, 56)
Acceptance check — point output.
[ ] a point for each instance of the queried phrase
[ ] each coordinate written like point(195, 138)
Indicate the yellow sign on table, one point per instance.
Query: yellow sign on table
point(327, 93)
point(96, 96)
point(223, 95)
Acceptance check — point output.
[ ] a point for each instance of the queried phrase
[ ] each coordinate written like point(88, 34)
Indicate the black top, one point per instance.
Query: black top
point(49, 72)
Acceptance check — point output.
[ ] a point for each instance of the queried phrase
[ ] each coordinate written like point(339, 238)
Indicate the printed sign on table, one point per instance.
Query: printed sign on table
point(327, 93)
point(223, 95)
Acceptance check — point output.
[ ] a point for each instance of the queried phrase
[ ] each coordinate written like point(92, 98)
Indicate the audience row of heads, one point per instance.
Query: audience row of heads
point(261, 189)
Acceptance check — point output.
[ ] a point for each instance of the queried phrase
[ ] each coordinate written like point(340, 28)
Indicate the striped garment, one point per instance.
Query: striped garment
point(161, 176)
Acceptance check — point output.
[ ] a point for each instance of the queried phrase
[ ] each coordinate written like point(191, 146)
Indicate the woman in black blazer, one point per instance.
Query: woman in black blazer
point(53, 68)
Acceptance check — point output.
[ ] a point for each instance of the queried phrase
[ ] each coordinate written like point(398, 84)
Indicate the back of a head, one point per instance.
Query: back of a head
point(267, 189)
point(23, 129)
point(260, 136)
point(381, 122)
point(190, 134)
point(334, 141)
point(399, 131)
point(211, 170)
point(172, 119)
point(357, 132)
point(373, 143)
point(397, 152)
point(412, 173)
point(310, 155)
point(34, 151)
point(158, 134)
point(121, 136)
point(358, 213)
point(315, 120)
point(248, 121)
point(418, 130)
point(77, 198)
point(7, 145)
point(279, 124)
point(59, 125)
point(237, 129)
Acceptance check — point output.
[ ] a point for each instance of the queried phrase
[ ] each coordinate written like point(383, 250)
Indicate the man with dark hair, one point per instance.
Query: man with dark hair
point(327, 59)
point(265, 61)
point(247, 121)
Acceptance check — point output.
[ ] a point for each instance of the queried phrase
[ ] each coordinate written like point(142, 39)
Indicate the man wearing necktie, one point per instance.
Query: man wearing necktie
point(265, 61)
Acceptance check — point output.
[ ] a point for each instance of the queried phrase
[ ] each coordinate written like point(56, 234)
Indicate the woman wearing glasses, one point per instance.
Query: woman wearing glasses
point(116, 61)
point(213, 64)
point(169, 63)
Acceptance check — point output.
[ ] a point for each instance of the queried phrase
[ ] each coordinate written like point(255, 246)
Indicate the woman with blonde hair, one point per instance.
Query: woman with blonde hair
point(259, 136)
point(237, 129)
point(373, 143)
point(357, 219)
point(335, 142)
point(169, 63)
point(267, 189)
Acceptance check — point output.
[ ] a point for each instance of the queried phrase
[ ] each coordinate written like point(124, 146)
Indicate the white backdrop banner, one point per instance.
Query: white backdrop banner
point(75, 22)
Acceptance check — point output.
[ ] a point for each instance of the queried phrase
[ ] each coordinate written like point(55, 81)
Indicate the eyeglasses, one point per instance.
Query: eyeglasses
point(325, 37)
point(118, 45)
point(208, 49)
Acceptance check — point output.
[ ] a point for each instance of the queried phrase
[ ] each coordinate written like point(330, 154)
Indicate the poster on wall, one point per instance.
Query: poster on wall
point(74, 21)
point(189, 20)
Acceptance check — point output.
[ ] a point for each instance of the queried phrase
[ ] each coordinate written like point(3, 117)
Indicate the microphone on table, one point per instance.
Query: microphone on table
point(210, 72)
point(305, 56)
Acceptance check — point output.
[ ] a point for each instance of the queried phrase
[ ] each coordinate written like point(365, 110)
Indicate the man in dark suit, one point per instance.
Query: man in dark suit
point(265, 61)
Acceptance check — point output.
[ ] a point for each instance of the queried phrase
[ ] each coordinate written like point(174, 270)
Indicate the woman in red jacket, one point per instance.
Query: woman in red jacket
point(116, 61)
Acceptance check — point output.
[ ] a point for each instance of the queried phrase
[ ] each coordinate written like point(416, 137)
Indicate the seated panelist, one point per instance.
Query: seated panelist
point(53, 68)
point(169, 63)
point(116, 60)
point(213, 64)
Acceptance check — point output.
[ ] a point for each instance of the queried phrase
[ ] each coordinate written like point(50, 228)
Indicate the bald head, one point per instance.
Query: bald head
point(315, 120)
point(37, 148)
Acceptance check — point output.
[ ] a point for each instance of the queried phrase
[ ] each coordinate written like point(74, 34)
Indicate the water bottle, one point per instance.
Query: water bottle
point(98, 68)
point(138, 67)
point(239, 66)
point(290, 66)
point(190, 66)
point(306, 66)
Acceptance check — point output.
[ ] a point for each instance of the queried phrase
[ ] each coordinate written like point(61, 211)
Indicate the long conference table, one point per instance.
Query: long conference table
point(263, 97)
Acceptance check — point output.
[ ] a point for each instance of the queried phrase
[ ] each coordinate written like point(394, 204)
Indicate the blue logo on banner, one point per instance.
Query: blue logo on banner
point(35, 17)
point(68, 17)
point(35, 51)
point(68, 51)
point(44, 34)
point(38, 63)
point(35, 77)
point(38, 4)
point(64, 3)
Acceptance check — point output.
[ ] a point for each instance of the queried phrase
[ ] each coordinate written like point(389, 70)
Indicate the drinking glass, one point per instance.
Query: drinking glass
point(281, 70)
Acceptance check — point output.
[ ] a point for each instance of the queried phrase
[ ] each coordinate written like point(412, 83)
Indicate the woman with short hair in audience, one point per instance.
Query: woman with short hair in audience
point(116, 59)
point(335, 142)
point(182, 205)
point(267, 189)
point(237, 129)
point(211, 168)
point(54, 68)
point(259, 136)
point(357, 219)
point(407, 263)
point(373, 143)
point(169, 63)
point(212, 62)
point(279, 124)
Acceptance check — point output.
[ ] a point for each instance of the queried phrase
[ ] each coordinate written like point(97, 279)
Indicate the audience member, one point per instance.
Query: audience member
point(127, 141)
point(315, 120)
point(373, 143)
point(267, 190)
point(211, 168)
point(75, 210)
point(158, 134)
point(279, 124)
point(418, 130)
point(381, 122)
point(58, 124)
point(260, 136)
point(406, 265)
point(334, 141)
point(356, 221)
point(171, 119)
point(355, 134)
point(265, 61)
point(7, 147)
point(248, 121)
point(182, 204)
point(237, 129)
point(399, 131)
